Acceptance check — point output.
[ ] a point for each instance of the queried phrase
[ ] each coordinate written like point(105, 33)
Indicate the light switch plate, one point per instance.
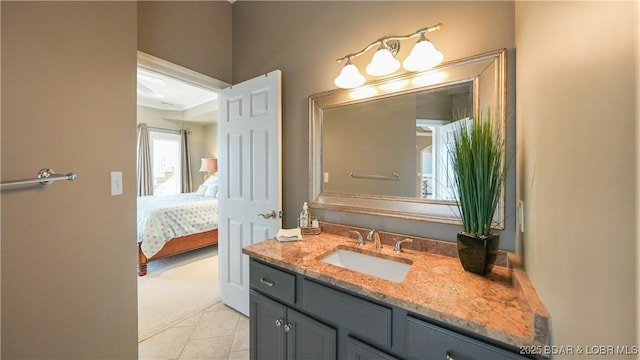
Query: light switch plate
point(521, 215)
point(116, 183)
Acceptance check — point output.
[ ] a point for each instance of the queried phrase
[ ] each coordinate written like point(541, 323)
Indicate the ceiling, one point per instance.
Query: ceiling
point(163, 92)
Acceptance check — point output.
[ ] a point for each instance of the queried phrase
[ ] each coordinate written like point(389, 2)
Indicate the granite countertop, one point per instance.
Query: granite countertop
point(503, 306)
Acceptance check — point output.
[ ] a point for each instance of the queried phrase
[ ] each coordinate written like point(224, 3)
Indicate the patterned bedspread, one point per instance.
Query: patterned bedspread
point(162, 218)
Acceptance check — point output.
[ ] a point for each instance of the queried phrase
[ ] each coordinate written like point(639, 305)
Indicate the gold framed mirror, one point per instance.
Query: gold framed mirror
point(380, 149)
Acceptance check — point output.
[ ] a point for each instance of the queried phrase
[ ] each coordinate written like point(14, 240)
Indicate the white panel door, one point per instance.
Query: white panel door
point(250, 196)
point(445, 181)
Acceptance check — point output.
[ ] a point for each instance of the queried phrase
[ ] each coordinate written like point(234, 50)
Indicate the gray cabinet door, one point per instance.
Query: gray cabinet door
point(278, 332)
point(308, 338)
point(267, 337)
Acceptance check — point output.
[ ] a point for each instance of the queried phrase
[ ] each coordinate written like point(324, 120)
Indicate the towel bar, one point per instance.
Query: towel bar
point(393, 177)
point(44, 177)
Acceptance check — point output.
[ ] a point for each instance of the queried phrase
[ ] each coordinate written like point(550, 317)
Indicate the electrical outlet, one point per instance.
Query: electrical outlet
point(116, 183)
point(326, 177)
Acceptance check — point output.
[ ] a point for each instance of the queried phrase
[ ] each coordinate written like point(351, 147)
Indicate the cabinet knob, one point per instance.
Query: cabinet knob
point(287, 328)
point(449, 357)
point(279, 322)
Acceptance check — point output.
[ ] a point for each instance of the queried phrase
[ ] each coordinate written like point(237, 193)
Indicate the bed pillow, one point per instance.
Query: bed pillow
point(209, 187)
point(201, 190)
point(212, 191)
point(213, 180)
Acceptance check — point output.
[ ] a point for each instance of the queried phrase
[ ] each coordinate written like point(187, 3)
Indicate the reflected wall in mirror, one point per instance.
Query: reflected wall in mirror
point(393, 146)
point(381, 149)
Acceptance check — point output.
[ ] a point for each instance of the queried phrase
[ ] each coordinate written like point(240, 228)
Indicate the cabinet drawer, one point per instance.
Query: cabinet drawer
point(360, 350)
point(364, 319)
point(428, 341)
point(273, 282)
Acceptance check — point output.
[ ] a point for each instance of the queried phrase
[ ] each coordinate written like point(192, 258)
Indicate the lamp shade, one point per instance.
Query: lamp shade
point(382, 63)
point(349, 77)
point(209, 165)
point(423, 56)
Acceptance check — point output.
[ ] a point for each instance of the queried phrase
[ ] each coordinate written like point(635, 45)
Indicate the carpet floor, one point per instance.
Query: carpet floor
point(176, 288)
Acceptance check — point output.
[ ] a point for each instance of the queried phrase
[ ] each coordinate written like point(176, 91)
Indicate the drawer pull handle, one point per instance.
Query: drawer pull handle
point(287, 328)
point(279, 323)
point(267, 282)
point(449, 357)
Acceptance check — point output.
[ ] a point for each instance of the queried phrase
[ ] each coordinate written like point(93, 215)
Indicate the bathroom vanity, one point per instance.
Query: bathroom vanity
point(304, 307)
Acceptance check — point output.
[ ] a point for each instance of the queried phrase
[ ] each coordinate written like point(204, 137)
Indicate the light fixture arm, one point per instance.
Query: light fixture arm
point(392, 42)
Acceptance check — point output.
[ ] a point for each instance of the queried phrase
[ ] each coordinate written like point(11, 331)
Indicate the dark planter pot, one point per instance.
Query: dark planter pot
point(478, 254)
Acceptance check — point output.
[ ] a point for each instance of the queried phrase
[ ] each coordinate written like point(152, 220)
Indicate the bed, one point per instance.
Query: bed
point(173, 224)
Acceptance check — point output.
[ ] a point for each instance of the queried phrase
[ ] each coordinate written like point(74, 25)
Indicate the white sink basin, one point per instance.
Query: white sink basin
point(368, 264)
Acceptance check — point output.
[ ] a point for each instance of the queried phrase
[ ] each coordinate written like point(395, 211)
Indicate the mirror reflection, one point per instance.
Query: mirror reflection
point(394, 146)
point(381, 149)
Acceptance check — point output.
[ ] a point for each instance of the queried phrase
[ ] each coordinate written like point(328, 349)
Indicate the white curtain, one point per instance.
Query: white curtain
point(144, 177)
point(187, 183)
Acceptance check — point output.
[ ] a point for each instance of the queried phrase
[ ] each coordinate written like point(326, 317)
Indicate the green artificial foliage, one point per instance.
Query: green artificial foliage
point(480, 168)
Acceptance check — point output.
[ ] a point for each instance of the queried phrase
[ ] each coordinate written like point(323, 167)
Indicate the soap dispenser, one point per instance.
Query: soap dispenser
point(303, 221)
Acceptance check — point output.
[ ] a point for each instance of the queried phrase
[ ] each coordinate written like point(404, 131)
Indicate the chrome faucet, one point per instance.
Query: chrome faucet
point(360, 239)
point(373, 235)
point(398, 247)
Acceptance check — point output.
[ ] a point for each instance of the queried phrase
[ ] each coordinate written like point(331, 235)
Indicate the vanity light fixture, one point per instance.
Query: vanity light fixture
point(384, 61)
point(423, 56)
point(349, 77)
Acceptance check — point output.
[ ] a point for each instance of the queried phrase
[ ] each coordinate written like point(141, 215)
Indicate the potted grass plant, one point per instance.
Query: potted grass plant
point(479, 166)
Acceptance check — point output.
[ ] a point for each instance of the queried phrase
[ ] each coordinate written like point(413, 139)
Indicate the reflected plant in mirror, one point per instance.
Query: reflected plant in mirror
point(382, 149)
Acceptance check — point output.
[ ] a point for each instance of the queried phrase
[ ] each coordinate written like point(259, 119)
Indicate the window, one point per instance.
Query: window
point(166, 170)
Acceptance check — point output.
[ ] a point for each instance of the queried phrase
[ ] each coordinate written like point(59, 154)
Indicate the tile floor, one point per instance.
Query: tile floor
point(218, 332)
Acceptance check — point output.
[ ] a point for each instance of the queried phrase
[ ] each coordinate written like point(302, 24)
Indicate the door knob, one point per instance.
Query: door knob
point(269, 215)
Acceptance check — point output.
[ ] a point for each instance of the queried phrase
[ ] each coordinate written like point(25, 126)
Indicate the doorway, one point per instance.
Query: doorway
point(172, 101)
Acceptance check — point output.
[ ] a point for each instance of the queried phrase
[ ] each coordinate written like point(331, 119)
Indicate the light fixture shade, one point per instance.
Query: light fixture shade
point(423, 56)
point(349, 77)
point(382, 63)
point(209, 165)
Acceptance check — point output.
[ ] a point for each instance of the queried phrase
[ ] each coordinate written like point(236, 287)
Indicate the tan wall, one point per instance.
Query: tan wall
point(68, 249)
point(210, 135)
point(193, 34)
point(576, 114)
point(303, 39)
